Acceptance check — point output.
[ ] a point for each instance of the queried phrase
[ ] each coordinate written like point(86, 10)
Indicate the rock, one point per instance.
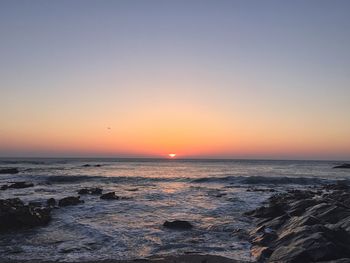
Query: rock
point(35, 204)
point(19, 185)
point(255, 189)
point(51, 202)
point(14, 214)
point(339, 185)
point(342, 166)
point(260, 253)
point(71, 200)
point(86, 165)
point(90, 191)
point(110, 196)
point(303, 226)
point(267, 212)
point(9, 171)
point(97, 165)
point(178, 224)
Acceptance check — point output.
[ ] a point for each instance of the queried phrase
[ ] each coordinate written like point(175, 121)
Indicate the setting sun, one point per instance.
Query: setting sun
point(172, 155)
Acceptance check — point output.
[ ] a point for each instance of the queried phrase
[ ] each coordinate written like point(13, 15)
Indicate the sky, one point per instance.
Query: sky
point(204, 79)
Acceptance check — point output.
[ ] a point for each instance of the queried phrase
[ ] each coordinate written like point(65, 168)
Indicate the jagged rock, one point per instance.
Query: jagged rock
point(71, 200)
point(14, 214)
point(314, 226)
point(178, 224)
point(9, 171)
point(267, 212)
point(339, 185)
point(110, 196)
point(90, 191)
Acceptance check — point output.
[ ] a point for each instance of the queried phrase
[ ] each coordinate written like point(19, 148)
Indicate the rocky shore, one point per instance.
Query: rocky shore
point(294, 226)
point(167, 259)
point(304, 226)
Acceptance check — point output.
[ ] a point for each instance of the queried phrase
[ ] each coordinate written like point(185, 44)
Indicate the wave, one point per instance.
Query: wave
point(239, 180)
point(104, 179)
point(264, 180)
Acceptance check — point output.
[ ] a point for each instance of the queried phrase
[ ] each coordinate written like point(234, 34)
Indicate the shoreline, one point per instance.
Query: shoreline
point(197, 258)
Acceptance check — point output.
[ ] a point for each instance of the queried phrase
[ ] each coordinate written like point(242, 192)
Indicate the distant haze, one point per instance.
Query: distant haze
point(204, 79)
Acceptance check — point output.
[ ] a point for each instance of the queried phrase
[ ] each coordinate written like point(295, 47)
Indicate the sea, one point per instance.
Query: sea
point(211, 194)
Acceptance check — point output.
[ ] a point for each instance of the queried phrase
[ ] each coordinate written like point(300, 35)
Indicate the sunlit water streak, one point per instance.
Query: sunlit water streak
point(210, 194)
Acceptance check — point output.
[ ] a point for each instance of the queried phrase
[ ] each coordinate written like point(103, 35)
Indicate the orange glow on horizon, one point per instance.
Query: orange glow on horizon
point(172, 155)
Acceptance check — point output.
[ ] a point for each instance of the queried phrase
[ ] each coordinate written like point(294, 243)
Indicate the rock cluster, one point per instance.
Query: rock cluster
point(304, 226)
point(15, 214)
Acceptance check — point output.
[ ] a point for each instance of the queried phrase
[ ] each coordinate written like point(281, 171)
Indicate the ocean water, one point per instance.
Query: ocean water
point(211, 194)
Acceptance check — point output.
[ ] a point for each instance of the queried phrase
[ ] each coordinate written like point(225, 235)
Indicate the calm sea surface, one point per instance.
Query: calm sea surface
point(211, 194)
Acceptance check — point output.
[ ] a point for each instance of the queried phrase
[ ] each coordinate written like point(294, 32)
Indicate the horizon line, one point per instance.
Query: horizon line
point(179, 159)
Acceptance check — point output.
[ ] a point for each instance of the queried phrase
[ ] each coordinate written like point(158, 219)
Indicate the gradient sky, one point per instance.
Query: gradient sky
point(233, 79)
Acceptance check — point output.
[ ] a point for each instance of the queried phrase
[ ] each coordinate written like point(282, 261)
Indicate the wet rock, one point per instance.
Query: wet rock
point(51, 202)
point(19, 185)
point(86, 165)
point(303, 226)
point(110, 196)
point(267, 212)
point(255, 189)
point(178, 224)
point(71, 200)
point(261, 253)
point(9, 171)
point(14, 214)
point(90, 191)
point(35, 204)
point(339, 185)
point(342, 166)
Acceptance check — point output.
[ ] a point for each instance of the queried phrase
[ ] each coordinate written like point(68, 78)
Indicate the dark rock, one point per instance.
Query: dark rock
point(71, 200)
point(86, 165)
point(178, 224)
point(303, 226)
point(110, 196)
point(9, 171)
point(267, 212)
point(339, 185)
point(261, 253)
point(19, 185)
point(344, 166)
point(51, 202)
point(97, 165)
point(14, 214)
point(90, 191)
point(255, 189)
point(35, 204)
point(297, 208)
